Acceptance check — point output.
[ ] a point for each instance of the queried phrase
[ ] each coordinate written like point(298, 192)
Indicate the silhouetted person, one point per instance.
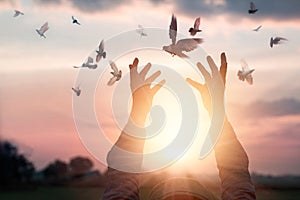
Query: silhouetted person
point(232, 160)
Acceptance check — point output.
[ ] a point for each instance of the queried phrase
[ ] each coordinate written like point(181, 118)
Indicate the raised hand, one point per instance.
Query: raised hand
point(214, 84)
point(142, 93)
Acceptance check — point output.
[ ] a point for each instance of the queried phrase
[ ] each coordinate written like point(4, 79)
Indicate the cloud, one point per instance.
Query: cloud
point(47, 2)
point(96, 5)
point(274, 9)
point(262, 108)
point(289, 132)
point(266, 8)
point(4, 4)
point(288, 106)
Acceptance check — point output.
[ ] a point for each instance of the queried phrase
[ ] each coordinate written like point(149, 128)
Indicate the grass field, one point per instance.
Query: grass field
point(95, 194)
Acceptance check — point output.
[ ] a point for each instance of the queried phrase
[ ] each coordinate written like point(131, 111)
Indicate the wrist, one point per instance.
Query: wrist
point(138, 116)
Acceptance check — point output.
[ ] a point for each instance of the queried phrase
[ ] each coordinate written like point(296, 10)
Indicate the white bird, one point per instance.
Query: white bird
point(117, 74)
point(276, 40)
point(75, 21)
point(17, 13)
point(245, 73)
point(141, 31)
point(88, 64)
point(43, 29)
point(257, 29)
point(187, 45)
point(77, 90)
point(195, 29)
point(252, 9)
point(100, 53)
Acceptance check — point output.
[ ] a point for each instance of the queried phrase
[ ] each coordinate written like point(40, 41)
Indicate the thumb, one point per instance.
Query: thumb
point(195, 84)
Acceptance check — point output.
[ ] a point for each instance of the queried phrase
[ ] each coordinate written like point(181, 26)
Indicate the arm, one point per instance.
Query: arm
point(232, 160)
point(233, 163)
point(125, 158)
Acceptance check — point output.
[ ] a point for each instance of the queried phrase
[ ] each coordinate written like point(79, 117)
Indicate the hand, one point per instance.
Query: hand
point(142, 93)
point(214, 84)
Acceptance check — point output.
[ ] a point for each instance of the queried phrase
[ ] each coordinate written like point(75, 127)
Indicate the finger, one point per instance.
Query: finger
point(145, 70)
point(212, 65)
point(158, 86)
point(203, 71)
point(133, 67)
point(193, 83)
point(153, 77)
point(223, 68)
point(197, 85)
point(134, 64)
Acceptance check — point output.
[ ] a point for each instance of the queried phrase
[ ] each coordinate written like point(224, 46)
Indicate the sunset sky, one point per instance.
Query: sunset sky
point(36, 74)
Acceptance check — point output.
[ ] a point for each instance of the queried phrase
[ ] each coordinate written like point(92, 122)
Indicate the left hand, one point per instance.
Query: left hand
point(142, 93)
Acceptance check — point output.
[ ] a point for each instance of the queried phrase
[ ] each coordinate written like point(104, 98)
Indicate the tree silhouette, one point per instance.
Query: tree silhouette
point(56, 171)
point(80, 165)
point(15, 169)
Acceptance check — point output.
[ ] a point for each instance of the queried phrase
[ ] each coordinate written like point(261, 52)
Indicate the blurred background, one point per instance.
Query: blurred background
point(42, 156)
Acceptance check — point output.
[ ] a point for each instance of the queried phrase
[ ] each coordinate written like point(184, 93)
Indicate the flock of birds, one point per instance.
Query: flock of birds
point(175, 48)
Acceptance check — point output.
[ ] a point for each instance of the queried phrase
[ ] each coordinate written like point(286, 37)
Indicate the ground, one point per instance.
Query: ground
point(61, 193)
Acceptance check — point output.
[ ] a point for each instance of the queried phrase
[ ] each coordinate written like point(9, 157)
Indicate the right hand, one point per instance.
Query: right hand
point(214, 86)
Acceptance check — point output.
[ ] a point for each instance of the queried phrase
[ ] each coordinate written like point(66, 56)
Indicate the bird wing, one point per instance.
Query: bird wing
point(74, 89)
point(244, 65)
point(44, 28)
point(280, 38)
point(16, 13)
point(101, 46)
point(173, 29)
point(188, 44)
point(140, 26)
point(112, 81)
point(197, 23)
point(252, 6)
point(140, 29)
point(98, 57)
point(249, 79)
point(271, 42)
point(113, 67)
point(90, 60)
point(257, 28)
point(73, 18)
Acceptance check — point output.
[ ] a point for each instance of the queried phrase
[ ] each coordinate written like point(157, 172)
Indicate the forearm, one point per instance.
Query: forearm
point(125, 160)
point(233, 163)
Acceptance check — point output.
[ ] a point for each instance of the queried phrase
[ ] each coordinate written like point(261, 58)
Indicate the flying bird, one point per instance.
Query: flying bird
point(141, 31)
point(276, 40)
point(245, 73)
point(187, 45)
point(88, 64)
point(257, 29)
point(252, 9)
point(77, 90)
point(42, 30)
point(194, 30)
point(75, 21)
point(100, 53)
point(17, 13)
point(117, 74)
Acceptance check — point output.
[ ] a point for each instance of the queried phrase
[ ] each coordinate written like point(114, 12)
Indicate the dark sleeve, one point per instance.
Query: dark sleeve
point(233, 163)
point(124, 162)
